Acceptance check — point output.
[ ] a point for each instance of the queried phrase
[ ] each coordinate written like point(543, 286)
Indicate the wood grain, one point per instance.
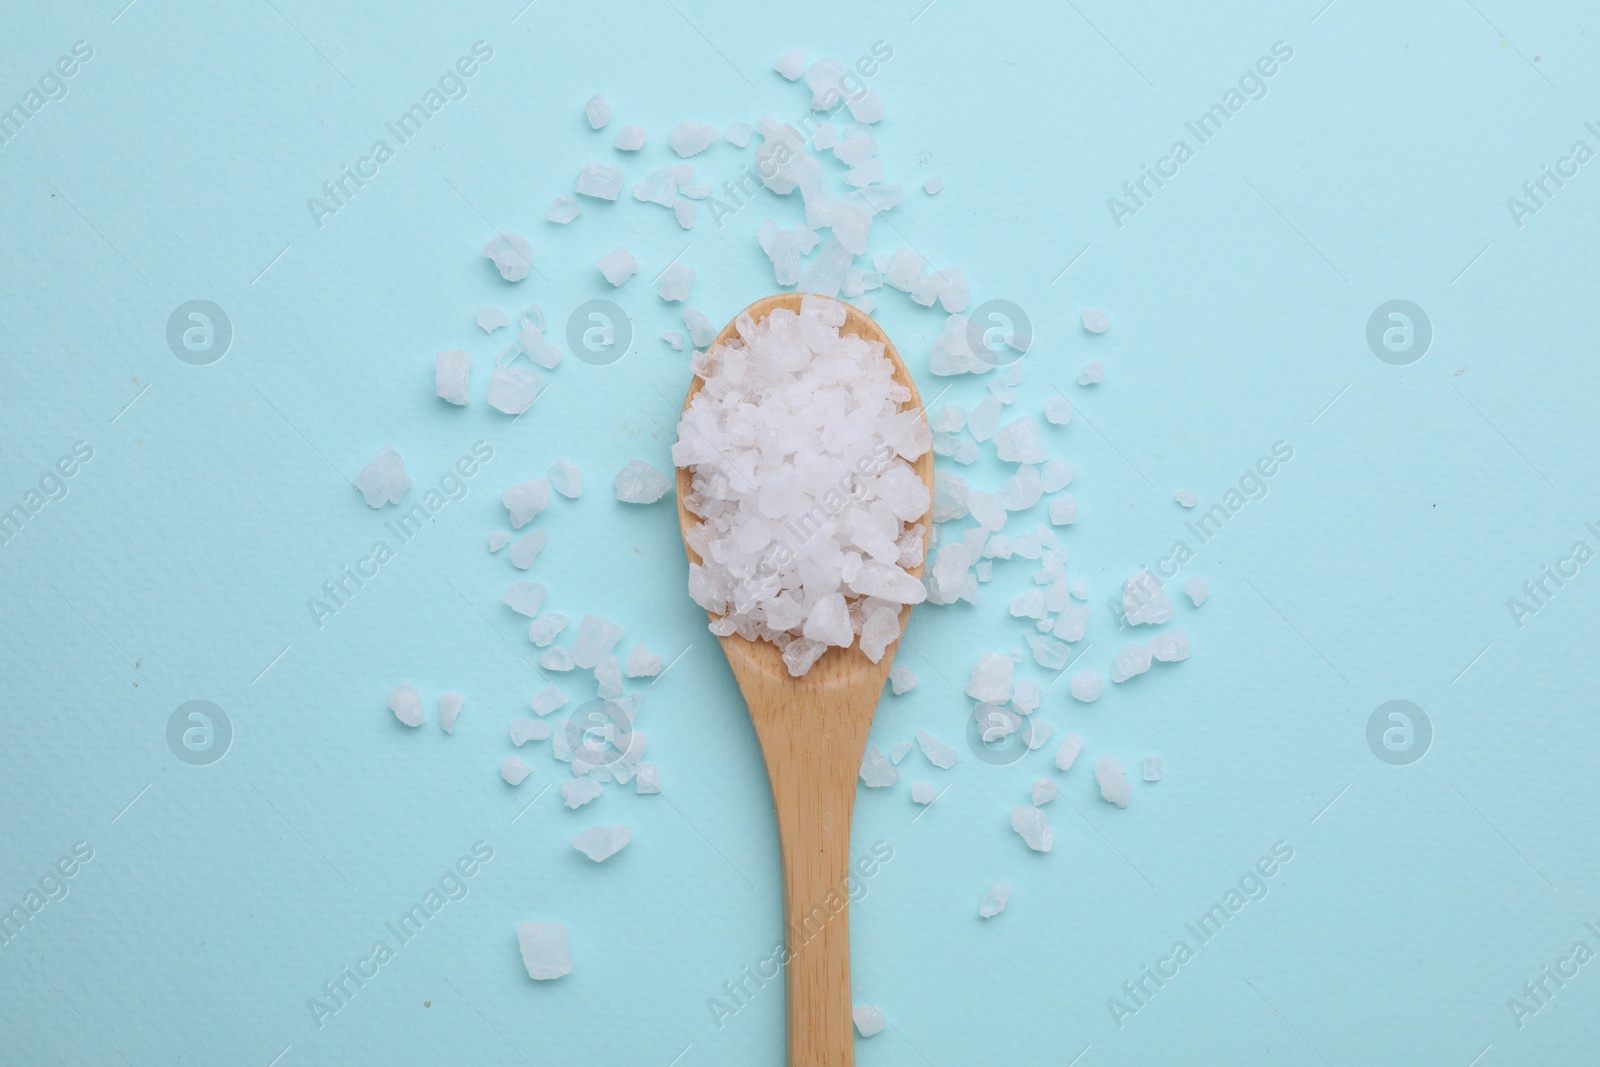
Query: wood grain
point(813, 734)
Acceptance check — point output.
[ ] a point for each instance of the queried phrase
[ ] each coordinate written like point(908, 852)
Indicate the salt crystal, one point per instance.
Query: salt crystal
point(991, 678)
point(557, 659)
point(684, 211)
point(868, 1020)
point(938, 753)
point(950, 495)
point(791, 64)
point(563, 209)
point(1049, 653)
point(1035, 732)
point(1029, 605)
point(642, 663)
point(877, 772)
point(384, 480)
point(608, 678)
point(1080, 589)
point(512, 256)
point(546, 628)
point(994, 901)
point(548, 700)
point(1058, 410)
point(600, 180)
point(525, 500)
point(1063, 511)
point(933, 185)
point(984, 419)
point(1086, 686)
point(923, 793)
point(1144, 601)
point(1186, 498)
point(1131, 661)
point(1071, 745)
point(1152, 768)
point(525, 598)
point(899, 752)
point(544, 950)
point(525, 730)
point(641, 483)
point(1197, 590)
point(1034, 828)
point(617, 266)
point(514, 770)
point(1170, 647)
point(1027, 696)
point(1056, 475)
point(1043, 792)
point(406, 704)
point(691, 138)
point(513, 390)
point(1113, 782)
point(538, 348)
point(950, 418)
point(739, 134)
point(449, 708)
point(498, 540)
point(491, 319)
point(452, 375)
point(1093, 373)
point(987, 509)
point(596, 638)
point(1095, 321)
point(600, 843)
point(1020, 441)
point(647, 779)
point(674, 340)
point(526, 550)
point(597, 111)
point(580, 791)
point(675, 282)
point(701, 332)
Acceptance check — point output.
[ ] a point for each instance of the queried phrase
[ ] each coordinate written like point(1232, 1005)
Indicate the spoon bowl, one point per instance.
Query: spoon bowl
point(813, 734)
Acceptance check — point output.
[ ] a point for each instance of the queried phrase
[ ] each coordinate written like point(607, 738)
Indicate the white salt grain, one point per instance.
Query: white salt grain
point(701, 332)
point(642, 663)
point(452, 376)
point(525, 598)
point(629, 139)
point(512, 390)
point(608, 678)
point(1027, 696)
point(514, 770)
point(868, 1020)
point(1020, 441)
point(498, 540)
point(566, 478)
point(1086, 686)
point(546, 628)
point(791, 64)
point(1056, 475)
point(1144, 601)
point(548, 700)
point(937, 752)
point(1063, 511)
point(579, 791)
point(1043, 792)
point(525, 500)
point(1186, 498)
point(1131, 661)
point(933, 185)
point(1093, 373)
point(557, 659)
point(676, 281)
point(512, 256)
point(1071, 745)
point(739, 134)
point(617, 266)
point(1058, 410)
point(596, 638)
point(449, 709)
point(994, 901)
point(525, 730)
point(991, 678)
point(1113, 782)
point(876, 771)
point(526, 550)
point(684, 212)
point(691, 138)
point(597, 111)
point(600, 180)
point(600, 843)
point(384, 480)
point(491, 319)
point(923, 793)
point(544, 950)
point(1152, 768)
point(674, 340)
point(406, 704)
point(1095, 321)
point(1029, 822)
point(1197, 590)
point(563, 209)
point(647, 779)
point(641, 483)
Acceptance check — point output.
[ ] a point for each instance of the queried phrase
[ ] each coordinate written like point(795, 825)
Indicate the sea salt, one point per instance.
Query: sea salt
point(449, 709)
point(676, 281)
point(498, 540)
point(1049, 653)
point(1095, 321)
point(641, 483)
point(608, 678)
point(991, 678)
point(525, 598)
point(617, 266)
point(1056, 475)
point(600, 180)
point(791, 64)
point(1020, 441)
point(1152, 768)
point(642, 663)
point(739, 134)
point(1144, 600)
point(1029, 822)
point(513, 390)
point(1058, 410)
point(868, 1020)
point(406, 705)
point(933, 184)
point(546, 628)
point(566, 478)
point(526, 550)
point(701, 332)
point(1093, 373)
point(674, 340)
point(384, 480)
point(600, 843)
point(1043, 792)
point(1186, 498)
point(544, 950)
point(1170, 647)
point(1063, 511)
point(876, 771)
point(557, 659)
point(548, 700)
point(994, 901)
point(647, 779)
point(514, 770)
point(1071, 745)
point(1035, 733)
point(452, 376)
point(596, 638)
point(579, 791)
point(512, 256)
point(1086, 686)
point(1131, 661)
point(938, 753)
point(525, 500)
point(923, 793)
point(1112, 780)
point(1027, 696)
point(525, 730)
point(490, 319)
point(1196, 590)
point(629, 139)
point(691, 138)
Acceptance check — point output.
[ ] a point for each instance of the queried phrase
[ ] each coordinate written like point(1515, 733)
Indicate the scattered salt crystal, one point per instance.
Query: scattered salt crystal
point(513, 390)
point(548, 700)
point(449, 708)
point(701, 332)
point(1144, 601)
point(642, 663)
point(1080, 589)
point(647, 779)
point(598, 111)
point(923, 793)
point(899, 752)
point(525, 500)
point(544, 950)
point(617, 266)
point(674, 340)
point(406, 705)
point(984, 571)
point(675, 282)
point(641, 483)
point(1027, 696)
point(1197, 590)
point(1152, 768)
point(739, 134)
point(984, 419)
point(491, 319)
point(1113, 782)
point(512, 256)
point(600, 843)
point(950, 496)
point(987, 509)
point(1186, 498)
point(525, 598)
point(1131, 661)
point(904, 269)
point(994, 901)
point(1063, 511)
point(868, 1020)
point(826, 137)
point(991, 678)
point(950, 418)
point(1071, 745)
point(1093, 373)
point(1035, 732)
point(1043, 792)
point(938, 753)
point(791, 64)
point(1086, 686)
point(546, 628)
point(691, 138)
point(684, 211)
point(1049, 653)
point(580, 791)
point(933, 185)
point(1095, 321)
point(1170, 647)
point(1020, 441)
point(629, 139)
point(608, 678)
point(452, 374)
point(526, 550)
point(525, 730)
point(566, 478)
point(877, 772)
point(557, 659)
point(1034, 828)
point(596, 638)
point(498, 540)
point(563, 209)
point(600, 180)
point(1029, 605)
point(514, 770)
point(384, 480)
point(1058, 410)
point(1056, 475)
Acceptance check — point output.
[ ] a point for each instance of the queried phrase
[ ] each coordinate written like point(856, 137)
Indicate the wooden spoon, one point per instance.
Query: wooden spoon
point(813, 734)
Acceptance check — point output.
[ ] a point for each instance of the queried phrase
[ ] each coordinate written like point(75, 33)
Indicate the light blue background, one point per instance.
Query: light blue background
point(1377, 568)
